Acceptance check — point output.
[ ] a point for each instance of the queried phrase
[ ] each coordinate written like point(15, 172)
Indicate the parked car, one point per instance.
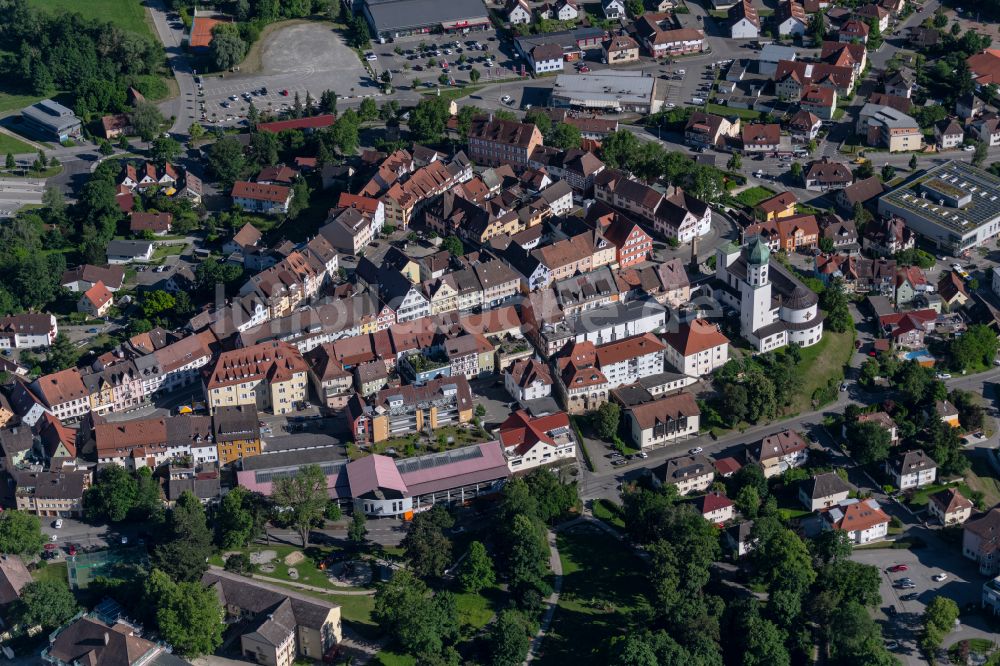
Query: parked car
point(896, 568)
point(695, 451)
point(58, 524)
point(937, 578)
point(909, 596)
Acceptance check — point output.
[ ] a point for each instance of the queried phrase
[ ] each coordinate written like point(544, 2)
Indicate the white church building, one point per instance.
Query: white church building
point(775, 308)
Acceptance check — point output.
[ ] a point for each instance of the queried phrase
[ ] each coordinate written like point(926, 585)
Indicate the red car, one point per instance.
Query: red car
point(50, 546)
point(584, 69)
point(72, 549)
point(284, 93)
point(897, 568)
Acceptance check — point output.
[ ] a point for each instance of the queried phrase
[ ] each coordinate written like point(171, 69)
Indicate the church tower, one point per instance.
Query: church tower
point(755, 303)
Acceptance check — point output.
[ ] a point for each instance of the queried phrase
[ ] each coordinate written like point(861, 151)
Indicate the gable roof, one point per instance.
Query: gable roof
point(950, 500)
point(825, 485)
point(668, 408)
point(694, 337)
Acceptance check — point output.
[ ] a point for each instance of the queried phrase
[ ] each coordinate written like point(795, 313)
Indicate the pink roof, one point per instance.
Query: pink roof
point(374, 472)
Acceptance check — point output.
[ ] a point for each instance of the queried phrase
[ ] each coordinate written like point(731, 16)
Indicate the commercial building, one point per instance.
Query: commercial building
point(409, 409)
point(608, 91)
point(954, 206)
point(397, 18)
point(52, 121)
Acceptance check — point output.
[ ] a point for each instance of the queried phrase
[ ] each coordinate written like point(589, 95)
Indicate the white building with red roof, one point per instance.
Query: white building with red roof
point(629, 360)
point(715, 507)
point(96, 301)
point(863, 520)
point(261, 197)
point(532, 442)
point(528, 379)
point(697, 348)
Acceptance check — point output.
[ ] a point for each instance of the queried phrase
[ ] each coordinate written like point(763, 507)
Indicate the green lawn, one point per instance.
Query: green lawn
point(9, 144)
point(55, 571)
point(752, 196)
point(922, 496)
point(601, 587)
point(389, 658)
point(126, 14)
point(162, 251)
point(821, 363)
point(475, 610)
point(982, 477)
point(722, 110)
point(449, 94)
point(609, 512)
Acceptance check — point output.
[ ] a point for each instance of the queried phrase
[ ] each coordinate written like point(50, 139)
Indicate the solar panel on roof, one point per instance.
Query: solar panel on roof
point(439, 459)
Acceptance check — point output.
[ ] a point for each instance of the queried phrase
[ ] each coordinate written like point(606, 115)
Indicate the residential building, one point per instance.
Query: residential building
point(804, 126)
point(823, 175)
point(884, 420)
point(791, 18)
point(949, 506)
point(780, 205)
point(797, 233)
point(90, 640)
point(737, 538)
point(493, 142)
point(885, 127)
point(236, 433)
point(819, 100)
point(912, 469)
point(126, 252)
point(580, 382)
point(633, 245)
point(52, 494)
point(874, 12)
point(689, 474)
point(760, 138)
point(271, 376)
point(862, 191)
point(528, 379)
point(664, 420)
point(696, 348)
point(986, 129)
point(517, 12)
point(824, 491)
point(277, 626)
point(889, 236)
point(86, 276)
point(949, 134)
point(613, 10)
point(779, 452)
point(63, 394)
point(96, 301)
point(409, 409)
point(530, 442)
point(261, 197)
point(619, 49)
point(545, 58)
point(715, 507)
point(981, 541)
point(627, 360)
point(863, 520)
point(27, 331)
point(708, 129)
point(743, 19)
point(900, 83)
point(793, 77)
point(951, 289)
point(853, 30)
point(661, 40)
point(842, 233)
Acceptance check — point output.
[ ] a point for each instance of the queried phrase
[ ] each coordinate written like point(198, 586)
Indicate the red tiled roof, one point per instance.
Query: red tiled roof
point(312, 122)
point(695, 337)
point(260, 191)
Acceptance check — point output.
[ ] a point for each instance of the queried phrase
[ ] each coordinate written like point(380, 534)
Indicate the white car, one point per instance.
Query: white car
point(370, 56)
point(969, 148)
point(124, 540)
point(506, 99)
point(943, 375)
point(695, 451)
point(53, 538)
point(937, 578)
point(58, 524)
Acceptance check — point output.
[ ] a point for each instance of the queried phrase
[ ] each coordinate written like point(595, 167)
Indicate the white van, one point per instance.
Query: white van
point(697, 100)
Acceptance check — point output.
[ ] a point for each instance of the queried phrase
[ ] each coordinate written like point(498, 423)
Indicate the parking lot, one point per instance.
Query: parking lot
point(963, 584)
point(305, 57)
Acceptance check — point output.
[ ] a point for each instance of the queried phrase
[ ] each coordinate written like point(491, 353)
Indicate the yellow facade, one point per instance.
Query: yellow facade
point(236, 449)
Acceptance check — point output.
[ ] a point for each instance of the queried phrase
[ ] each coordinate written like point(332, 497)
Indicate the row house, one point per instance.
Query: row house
point(174, 366)
point(271, 376)
point(761, 138)
point(632, 244)
point(353, 223)
point(393, 168)
point(406, 197)
point(493, 142)
point(295, 279)
point(115, 388)
point(28, 331)
point(63, 394)
point(528, 379)
point(332, 382)
point(840, 54)
point(51, 494)
point(236, 433)
point(470, 356)
point(150, 442)
point(677, 216)
point(819, 100)
point(408, 300)
point(410, 409)
point(147, 175)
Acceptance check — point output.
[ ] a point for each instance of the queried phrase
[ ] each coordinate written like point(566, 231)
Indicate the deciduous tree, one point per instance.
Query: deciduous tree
point(304, 497)
point(48, 603)
point(476, 570)
point(20, 533)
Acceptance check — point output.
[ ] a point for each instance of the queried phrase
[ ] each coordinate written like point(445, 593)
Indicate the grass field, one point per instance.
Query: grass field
point(821, 363)
point(721, 110)
point(51, 572)
point(601, 586)
point(609, 512)
point(982, 477)
point(752, 196)
point(9, 144)
point(126, 14)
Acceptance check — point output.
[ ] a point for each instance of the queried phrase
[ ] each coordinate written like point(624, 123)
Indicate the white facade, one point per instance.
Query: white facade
point(519, 15)
point(630, 370)
point(645, 438)
point(791, 26)
point(871, 534)
point(924, 477)
point(720, 515)
point(547, 65)
point(542, 453)
point(744, 29)
point(606, 325)
point(533, 391)
point(700, 363)
point(414, 306)
point(24, 337)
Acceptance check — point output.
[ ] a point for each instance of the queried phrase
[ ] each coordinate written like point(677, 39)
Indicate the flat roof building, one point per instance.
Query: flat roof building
point(398, 18)
point(954, 205)
point(52, 121)
point(608, 90)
